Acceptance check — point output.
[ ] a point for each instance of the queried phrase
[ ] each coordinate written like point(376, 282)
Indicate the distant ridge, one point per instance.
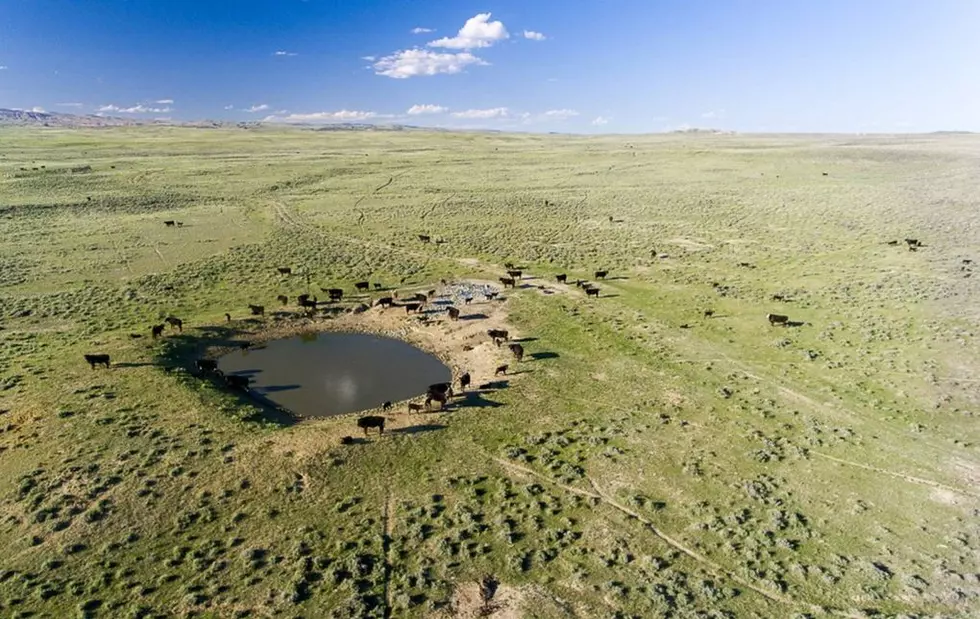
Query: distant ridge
point(55, 119)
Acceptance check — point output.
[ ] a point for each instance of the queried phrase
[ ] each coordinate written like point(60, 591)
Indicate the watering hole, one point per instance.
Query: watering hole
point(324, 374)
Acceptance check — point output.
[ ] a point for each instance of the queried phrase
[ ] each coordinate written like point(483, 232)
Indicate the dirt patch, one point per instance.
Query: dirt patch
point(476, 600)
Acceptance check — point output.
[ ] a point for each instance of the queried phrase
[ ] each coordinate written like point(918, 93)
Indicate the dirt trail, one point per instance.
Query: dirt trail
point(387, 517)
point(908, 478)
point(601, 496)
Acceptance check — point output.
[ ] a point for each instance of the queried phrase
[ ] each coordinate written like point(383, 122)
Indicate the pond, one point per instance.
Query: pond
point(324, 374)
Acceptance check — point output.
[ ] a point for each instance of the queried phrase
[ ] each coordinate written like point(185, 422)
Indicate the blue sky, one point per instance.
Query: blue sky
point(623, 66)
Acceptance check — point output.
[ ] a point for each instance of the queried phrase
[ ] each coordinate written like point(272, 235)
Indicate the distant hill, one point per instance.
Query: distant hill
point(54, 119)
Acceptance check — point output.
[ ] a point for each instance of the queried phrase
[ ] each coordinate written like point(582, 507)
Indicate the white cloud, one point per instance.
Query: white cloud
point(478, 31)
point(534, 36)
point(714, 114)
point(165, 101)
point(256, 108)
point(496, 112)
point(563, 114)
point(598, 121)
point(339, 116)
point(38, 110)
point(229, 107)
point(68, 104)
point(3, 67)
point(285, 53)
point(422, 30)
point(417, 62)
point(136, 109)
point(368, 58)
point(427, 109)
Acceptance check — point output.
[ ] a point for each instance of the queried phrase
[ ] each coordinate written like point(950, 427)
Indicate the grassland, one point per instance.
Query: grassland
point(641, 469)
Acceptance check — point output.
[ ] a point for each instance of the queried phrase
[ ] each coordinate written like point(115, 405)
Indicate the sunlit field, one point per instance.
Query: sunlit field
point(662, 450)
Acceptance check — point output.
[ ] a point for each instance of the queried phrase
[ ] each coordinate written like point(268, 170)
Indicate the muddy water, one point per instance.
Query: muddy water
point(318, 375)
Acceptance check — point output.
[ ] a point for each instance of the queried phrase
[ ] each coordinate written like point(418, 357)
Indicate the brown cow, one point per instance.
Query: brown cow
point(453, 313)
point(372, 421)
point(464, 381)
point(175, 323)
point(283, 299)
point(385, 302)
point(257, 310)
point(227, 317)
point(515, 274)
point(508, 281)
point(412, 307)
point(157, 330)
point(414, 407)
point(501, 369)
point(518, 351)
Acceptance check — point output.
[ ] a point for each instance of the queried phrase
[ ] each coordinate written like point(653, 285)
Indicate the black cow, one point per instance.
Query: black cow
point(508, 281)
point(498, 334)
point(95, 360)
point(170, 223)
point(412, 307)
point(581, 283)
point(508, 265)
point(464, 381)
point(430, 294)
point(180, 224)
point(518, 351)
point(206, 365)
point(227, 317)
point(491, 295)
point(305, 301)
point(421, 297)
point(777, 319)
point(441, 388)
point(826, 173)
point(515, 274)
point(336, 294)
point(425, 238)
point(237, 382)
point(372, 421)
point(501, 369)
point(362, 285)
point(591, 292)
point(386, 406)
point(377, 286)
point(467, 300)
point(561, 278)
point(284, 270)
point(709, 313)
point(283, 299)
point(257, 310)
point(385, 301)
point(441, 398)
point(245, 345)
point(453, 313)
point(414, 407)
point(601, 274)
point(175, 323)
point(892, 242)
point(156, 330)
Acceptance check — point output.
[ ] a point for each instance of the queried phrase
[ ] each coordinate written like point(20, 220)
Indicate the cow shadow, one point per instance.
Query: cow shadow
point(617, 278)
point(494, 385)
point(477, 316)
point(540, 356)
point(425, 427)
point(248, 373)
point(355, 440)
point(795, 323)
point(608, 296)
point(519, 372)
point(475, 399)
point(524, 340)
point(127, 364)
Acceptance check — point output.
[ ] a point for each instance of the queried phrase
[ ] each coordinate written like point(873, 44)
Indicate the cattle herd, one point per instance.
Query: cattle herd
point(414, 303)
